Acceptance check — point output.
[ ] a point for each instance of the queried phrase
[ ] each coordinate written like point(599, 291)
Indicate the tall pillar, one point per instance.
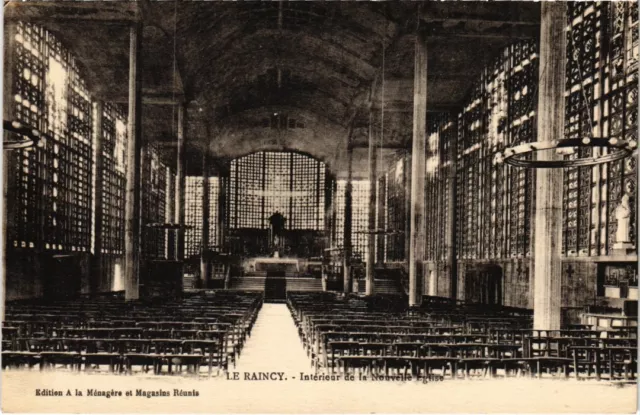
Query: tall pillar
point(371, 237)
point(348, 216)
point(205, 275)
point(328, 208)
point(418, 230)
point(334, 207)
point(381, 198)
point(95, 279)
point(134, 161)
point(327, 226)
point(222, 201)
point(169, 215)
point(223, 178)
point(180, 184)
point(548, 199)
point(450, 235)
point(406, 180)
point(8, 157)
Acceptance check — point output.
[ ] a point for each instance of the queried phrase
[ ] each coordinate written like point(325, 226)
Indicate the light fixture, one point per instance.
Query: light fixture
point(18, 135)
point(515, 155)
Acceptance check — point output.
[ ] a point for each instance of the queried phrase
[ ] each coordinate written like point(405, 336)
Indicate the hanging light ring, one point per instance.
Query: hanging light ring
point(25, 135)
point(380, 232)
point(168, 226)
point(514, 156)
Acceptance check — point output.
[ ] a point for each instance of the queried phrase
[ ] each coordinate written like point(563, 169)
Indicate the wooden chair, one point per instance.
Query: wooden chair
point(211, 351)
point(586, 359)
point(19, 358)
point(136, 352)
point(336, 349)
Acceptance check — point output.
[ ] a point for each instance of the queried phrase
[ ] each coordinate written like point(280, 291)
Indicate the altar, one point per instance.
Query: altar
point(270, 264)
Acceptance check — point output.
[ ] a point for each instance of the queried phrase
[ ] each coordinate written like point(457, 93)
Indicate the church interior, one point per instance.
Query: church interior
point(410, 189)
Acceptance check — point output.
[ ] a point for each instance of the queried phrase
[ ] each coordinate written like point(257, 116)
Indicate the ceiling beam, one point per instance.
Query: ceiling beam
point(94, 11)
point(407, 106)
point(389, 146)
point(149, 97)
point(504, 12)
point(480, 29)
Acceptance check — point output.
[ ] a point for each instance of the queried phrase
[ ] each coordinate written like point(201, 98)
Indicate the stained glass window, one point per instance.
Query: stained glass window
point(247, 183)
point(360, 218)
point(194, 212)
point(54, 192)
point(265, 182)
point(492, 201)
point(307, 196)
point(602, 100)
point(396, 206)
point(193, 215)
point(154, 176)
point(279, 187)
point(114, 137)
point(442, 133)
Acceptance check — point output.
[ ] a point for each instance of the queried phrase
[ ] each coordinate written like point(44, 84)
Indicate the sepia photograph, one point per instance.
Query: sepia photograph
point(319, 207)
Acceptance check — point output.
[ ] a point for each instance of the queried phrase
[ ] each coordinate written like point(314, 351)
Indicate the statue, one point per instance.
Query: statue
point(277, 222)
point(623, 215)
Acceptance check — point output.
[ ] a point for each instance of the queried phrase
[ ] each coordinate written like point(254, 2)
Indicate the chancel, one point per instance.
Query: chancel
point(354, 189)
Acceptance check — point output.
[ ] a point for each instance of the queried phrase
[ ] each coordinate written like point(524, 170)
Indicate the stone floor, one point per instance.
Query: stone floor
point(274, 345)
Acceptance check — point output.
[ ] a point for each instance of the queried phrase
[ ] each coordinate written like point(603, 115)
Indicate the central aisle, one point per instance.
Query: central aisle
point(274, 345)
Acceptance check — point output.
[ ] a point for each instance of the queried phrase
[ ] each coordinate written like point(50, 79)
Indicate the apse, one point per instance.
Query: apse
point(292, 184)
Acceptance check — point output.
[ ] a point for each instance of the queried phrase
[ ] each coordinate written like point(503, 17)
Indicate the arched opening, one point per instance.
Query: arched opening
point(288, 186)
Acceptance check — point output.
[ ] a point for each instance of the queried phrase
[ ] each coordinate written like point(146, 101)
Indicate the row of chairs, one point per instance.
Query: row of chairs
point(119, 355)
point(341, 337)
point(209, 333)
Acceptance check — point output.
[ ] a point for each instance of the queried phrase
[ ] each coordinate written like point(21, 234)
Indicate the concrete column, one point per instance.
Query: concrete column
point(381, 198)
point(222, 201)
point(8, 157)
point(96, 266)
point(373, 179)
point(450, 236)
point(407, 208)
point(134, 162)
point(348, 216)
point(327, 226)
point(328, 208)
point(548, 201)
point(334, 208)
point(169, 215)
point(205, 275)
point(180, 184)
point(418, 229)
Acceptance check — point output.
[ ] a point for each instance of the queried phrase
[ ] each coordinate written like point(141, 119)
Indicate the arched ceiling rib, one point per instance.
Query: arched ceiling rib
point(329, 50)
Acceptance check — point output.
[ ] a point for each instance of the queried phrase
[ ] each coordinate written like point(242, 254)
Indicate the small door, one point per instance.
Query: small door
point(483, 285)
point(62, 277)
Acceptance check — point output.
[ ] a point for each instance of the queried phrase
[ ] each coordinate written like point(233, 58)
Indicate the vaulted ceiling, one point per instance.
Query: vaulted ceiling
point(324, 64)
